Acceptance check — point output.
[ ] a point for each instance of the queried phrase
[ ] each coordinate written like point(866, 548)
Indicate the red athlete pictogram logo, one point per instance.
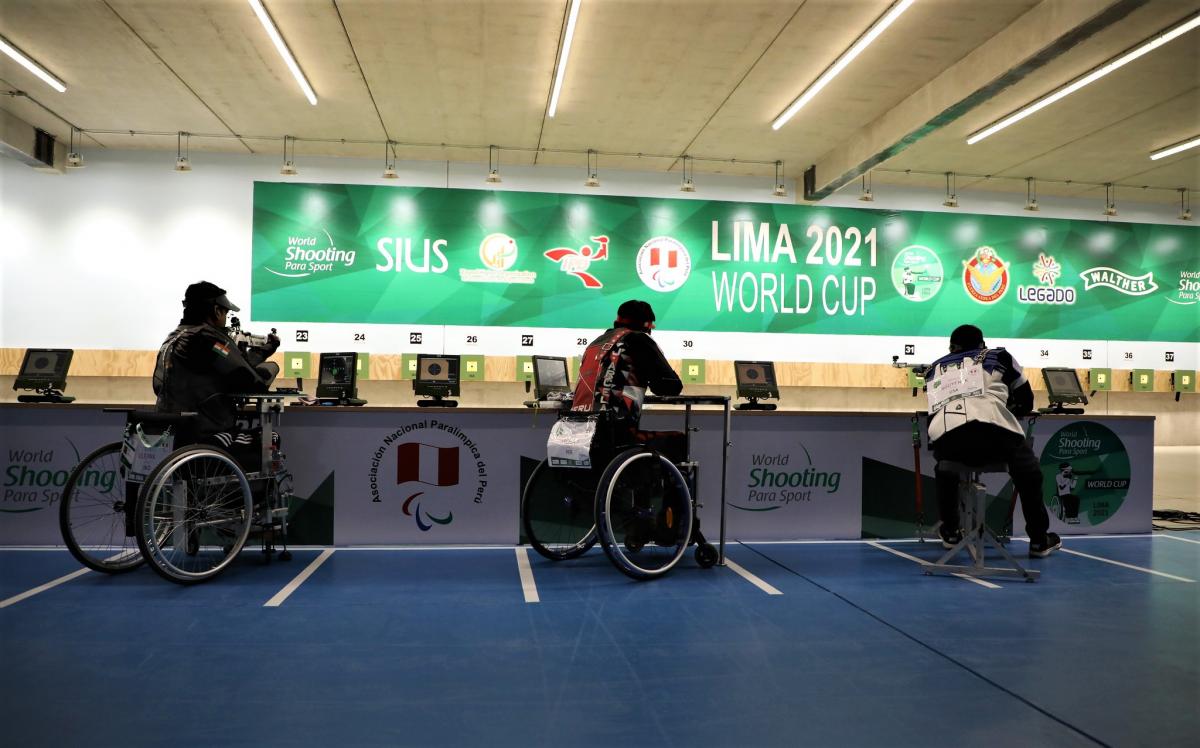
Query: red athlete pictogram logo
point(576, 261)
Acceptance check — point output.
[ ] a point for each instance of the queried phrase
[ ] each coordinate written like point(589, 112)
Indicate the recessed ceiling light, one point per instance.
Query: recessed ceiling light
point(561, 73)
point(282, 47)
point(31, 66)
point(1177, 148)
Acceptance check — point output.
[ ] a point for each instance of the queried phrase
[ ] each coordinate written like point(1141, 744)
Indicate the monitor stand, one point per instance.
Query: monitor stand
point(754, 404)
point(48, 395)
point(1057, 409)
point(437, 402)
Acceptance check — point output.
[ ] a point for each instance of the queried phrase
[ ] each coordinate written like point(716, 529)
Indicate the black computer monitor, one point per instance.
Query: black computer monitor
point(550, 376)
point(1062, 386)
point(437, 377)
point(338, 377)
point(755, 379)
point(44, 368)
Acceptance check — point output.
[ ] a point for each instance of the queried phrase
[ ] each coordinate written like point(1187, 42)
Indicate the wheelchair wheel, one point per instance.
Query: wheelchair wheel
point(194, 514)
point(558, 511)
point(91, 514)
point(644, 513)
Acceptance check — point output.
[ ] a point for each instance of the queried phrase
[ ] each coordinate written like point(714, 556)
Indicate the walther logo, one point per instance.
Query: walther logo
point(303, 257)
point(775, 482)
point(1130, 285)
point(34, 480)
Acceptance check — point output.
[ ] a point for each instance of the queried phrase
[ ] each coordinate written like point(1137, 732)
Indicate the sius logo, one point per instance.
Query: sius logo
point(1130, 285)
point(303, 257)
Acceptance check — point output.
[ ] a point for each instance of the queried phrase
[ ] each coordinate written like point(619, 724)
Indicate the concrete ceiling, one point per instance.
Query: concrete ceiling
point(656, 77)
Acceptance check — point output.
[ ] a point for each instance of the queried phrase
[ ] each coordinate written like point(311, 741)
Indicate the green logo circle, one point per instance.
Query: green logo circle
point(917, 273)
point(1085, 474)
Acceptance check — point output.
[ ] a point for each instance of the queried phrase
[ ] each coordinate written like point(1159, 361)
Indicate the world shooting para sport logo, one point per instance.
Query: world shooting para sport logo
point(306, 256)
point(577, 261)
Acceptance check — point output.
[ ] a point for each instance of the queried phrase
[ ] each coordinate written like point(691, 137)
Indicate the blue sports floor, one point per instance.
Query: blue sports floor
point(449, 647)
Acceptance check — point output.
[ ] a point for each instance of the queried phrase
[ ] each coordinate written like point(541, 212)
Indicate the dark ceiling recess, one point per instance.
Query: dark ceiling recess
point(43, 147)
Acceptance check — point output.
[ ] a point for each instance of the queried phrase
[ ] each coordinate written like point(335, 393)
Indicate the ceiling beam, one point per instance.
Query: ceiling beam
point(1030, 43)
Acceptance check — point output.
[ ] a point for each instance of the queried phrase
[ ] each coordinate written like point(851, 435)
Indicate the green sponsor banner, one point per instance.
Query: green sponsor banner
point(366, 254)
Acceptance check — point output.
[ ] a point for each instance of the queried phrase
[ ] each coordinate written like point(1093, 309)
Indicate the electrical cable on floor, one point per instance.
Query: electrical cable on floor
point(1177, 517)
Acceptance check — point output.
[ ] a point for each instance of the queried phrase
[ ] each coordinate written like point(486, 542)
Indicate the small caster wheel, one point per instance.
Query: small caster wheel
point(706, 555)
point(285, 555)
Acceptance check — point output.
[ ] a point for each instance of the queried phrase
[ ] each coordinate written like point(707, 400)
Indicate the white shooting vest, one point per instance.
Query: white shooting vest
point(965, 392)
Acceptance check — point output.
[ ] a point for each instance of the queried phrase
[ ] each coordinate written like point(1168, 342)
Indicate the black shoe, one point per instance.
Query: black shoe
point(950, 539)
point(1046, 547)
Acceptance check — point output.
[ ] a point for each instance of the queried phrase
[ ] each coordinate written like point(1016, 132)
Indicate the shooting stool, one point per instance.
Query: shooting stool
point(972, 498)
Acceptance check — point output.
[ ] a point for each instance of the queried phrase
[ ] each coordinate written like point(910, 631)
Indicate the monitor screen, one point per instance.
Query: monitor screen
point(755, 379)
point(550, 375)
point(436, 375)
point(44, 367)
point(1063, 386)
point(338, 375)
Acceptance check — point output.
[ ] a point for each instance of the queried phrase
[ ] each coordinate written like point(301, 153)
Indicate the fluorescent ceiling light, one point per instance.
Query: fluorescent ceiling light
point(847, 57)
point(562, 58)
point(1091, 77)
point(31, 66)
point(1172, 150)
point(281, 46)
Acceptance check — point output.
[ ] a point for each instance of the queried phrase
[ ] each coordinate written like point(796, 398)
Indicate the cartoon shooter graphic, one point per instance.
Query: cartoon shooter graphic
point(910, 282)
point(577, 261)
point(1068, 502)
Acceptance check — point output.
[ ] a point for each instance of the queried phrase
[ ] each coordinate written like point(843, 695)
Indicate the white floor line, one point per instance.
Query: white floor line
point(1127, 566)
point(1176, 537)
point(293, 585)
point(751, 578)
point(528, 586)
point(976, 580)
point(36, 590)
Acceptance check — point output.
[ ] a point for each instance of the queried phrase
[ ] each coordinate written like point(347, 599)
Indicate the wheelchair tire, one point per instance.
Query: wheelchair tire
point(643, 496)
point(197, 498)
point(706, 555)
point(92, 516)
point(558, 512)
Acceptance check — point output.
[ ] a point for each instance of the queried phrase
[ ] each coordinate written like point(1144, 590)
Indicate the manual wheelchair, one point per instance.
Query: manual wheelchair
point(634, 500)
point(185, 505)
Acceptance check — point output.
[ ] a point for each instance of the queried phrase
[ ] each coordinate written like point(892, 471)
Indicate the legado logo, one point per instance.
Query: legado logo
point(663, 264)
point(304, 257)
point(775, 481)
point(34, 478)
point(985, 276)
point(577, 261)
point(1130, 285)
point(498, 253)
point(435, 468)
point(1189, 288)
point(1046, 270)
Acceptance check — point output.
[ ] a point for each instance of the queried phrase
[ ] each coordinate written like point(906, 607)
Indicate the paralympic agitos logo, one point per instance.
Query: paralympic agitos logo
point(431, 468)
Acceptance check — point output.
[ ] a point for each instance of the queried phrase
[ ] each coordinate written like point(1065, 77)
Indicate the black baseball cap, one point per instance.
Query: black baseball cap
point(205, 292)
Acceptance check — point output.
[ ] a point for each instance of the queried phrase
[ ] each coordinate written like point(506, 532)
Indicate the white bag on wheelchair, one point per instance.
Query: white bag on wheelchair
point(570, 443)
point(141, 452)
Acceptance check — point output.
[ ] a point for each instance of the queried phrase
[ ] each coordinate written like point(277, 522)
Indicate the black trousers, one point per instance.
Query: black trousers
point(983, 443)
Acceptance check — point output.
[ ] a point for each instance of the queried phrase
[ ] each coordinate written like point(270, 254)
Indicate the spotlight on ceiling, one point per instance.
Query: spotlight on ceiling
point(688, 184)
point(593, 166)
point(74, 159)
point(289, 166)
point(1110, 199)
point(1031, 202)
point(181, 152)
point(389, 164)
point(866, 195)
point(1185, 204)
point(951, 200)
point(780, 188)
point(493, 176)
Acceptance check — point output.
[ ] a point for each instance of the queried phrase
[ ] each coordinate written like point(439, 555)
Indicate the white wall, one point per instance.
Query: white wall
point(99, 257)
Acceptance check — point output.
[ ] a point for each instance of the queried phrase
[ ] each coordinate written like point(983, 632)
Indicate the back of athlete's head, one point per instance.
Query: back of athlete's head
point(966, 338)
point(636, 315)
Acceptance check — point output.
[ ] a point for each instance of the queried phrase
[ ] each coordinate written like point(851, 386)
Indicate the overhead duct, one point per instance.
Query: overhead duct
point(23, 142)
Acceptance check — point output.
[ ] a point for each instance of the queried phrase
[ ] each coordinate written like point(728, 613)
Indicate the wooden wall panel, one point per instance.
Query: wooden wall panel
point(387, 366)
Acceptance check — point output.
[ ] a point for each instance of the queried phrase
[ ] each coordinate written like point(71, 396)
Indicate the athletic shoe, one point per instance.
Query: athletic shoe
point(949, 540)
point(1046, 547)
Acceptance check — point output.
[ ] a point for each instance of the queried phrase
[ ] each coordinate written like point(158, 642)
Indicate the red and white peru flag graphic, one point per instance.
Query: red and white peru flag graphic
point(425, 463)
